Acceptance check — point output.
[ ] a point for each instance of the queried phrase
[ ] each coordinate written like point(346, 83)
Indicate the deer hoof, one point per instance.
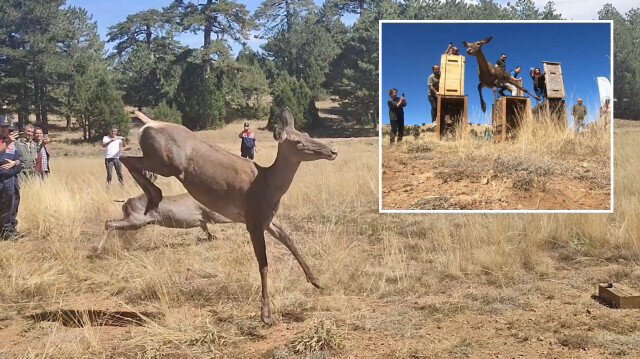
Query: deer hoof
point(266, 315)
point(314, 281)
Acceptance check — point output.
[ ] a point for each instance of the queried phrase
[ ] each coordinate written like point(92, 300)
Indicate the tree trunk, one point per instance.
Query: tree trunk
point(36, 99)
point(287, 15)
point(68, 118)
point(44, 111)
point(83, 124)
point(148, 35)
point(207, 38)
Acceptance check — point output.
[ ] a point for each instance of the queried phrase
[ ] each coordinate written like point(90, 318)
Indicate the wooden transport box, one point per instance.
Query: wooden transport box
point(507, 114)
point(451, 114)
point(553, 79)
point(452, 75)
point(553, 109)
point(619, 296)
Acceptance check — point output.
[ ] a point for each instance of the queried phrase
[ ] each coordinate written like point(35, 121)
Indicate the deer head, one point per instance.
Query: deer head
point(298, 145)
point(474, 47)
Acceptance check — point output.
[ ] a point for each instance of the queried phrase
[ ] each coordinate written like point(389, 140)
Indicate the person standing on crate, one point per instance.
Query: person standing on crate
point(538, 83)
point(502, 63)
point(434, 86)
point(396, 114)
point(514, 75)
point(451, 50)
point(579, 112)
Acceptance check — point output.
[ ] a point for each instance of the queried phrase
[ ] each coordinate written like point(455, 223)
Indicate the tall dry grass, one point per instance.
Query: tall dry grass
point(208, 293)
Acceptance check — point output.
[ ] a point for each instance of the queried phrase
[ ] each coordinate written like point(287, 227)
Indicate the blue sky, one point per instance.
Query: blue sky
point(410, 49)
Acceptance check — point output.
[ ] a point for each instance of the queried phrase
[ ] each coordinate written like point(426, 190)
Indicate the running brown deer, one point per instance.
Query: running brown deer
point(234, 187)
point(179, 211)
point(490, 76)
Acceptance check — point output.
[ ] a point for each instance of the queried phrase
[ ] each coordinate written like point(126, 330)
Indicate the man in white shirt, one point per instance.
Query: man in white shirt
point(113, 146)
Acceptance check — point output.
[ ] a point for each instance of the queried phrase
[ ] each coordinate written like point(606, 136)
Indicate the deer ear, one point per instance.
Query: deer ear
point(287, 118)
point(466, 44)
point(485, 40)
point(279, 134)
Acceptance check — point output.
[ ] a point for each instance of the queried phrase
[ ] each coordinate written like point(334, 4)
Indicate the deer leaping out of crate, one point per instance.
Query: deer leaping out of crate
point(490, 76)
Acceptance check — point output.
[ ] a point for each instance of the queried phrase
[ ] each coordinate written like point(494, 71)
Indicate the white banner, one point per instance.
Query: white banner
point(604, 86)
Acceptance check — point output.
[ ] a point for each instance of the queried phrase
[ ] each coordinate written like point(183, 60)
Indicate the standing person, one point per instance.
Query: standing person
point(538, 83)
point(42, 158)
point(396, 114)
point(10, 166)
point(434, 86)
point(28, 150)
point(248, 144)
point(113, 146)
point(502, 62)
point(579, 112)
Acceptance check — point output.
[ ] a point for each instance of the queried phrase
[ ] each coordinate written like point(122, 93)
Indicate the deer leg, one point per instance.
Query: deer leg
point(260, 250)
point(482, 104)
point(278, 233)
point(210, 236)
point(135, 167)
point(518, 86)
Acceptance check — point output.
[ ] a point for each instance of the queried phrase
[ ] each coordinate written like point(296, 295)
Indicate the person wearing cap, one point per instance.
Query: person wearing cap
point(10, 166)
point(113, 146)
point(248, 144)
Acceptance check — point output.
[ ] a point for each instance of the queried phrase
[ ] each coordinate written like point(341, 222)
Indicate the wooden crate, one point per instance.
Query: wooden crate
point(554, 109)
point(451, 114)
point(452, 75)
point(619, 296)
point(507, 114)
point(553, 79)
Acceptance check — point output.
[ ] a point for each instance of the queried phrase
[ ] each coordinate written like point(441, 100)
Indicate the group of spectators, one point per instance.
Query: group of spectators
point(21, 157)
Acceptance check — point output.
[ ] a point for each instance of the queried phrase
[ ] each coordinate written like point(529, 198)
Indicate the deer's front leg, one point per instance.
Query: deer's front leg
point(482, 104)
point(278, 233)
point(260, 250)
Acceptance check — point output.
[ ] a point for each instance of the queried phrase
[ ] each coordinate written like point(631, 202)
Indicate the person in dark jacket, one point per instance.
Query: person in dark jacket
point(396, 114)
point(538, 83)
point(248, 144)
point(10, 166)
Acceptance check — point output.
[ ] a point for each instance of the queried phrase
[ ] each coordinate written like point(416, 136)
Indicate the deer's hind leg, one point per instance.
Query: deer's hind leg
point(518, 86)
point(278, 233)
point(135, 165)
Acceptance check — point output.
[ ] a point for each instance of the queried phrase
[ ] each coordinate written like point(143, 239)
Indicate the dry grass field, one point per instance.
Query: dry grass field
point(395, 286)
point(543, 168)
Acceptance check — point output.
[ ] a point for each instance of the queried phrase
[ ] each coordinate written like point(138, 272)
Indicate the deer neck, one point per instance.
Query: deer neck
point(483, 65)
point(280, 174)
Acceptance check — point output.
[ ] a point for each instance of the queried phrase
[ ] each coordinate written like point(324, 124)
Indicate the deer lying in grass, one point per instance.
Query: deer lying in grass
point(230, 185)
point(180, 211)
point(489, 75)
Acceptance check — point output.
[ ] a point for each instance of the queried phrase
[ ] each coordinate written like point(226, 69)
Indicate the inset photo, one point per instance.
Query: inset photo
point(496, 116)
